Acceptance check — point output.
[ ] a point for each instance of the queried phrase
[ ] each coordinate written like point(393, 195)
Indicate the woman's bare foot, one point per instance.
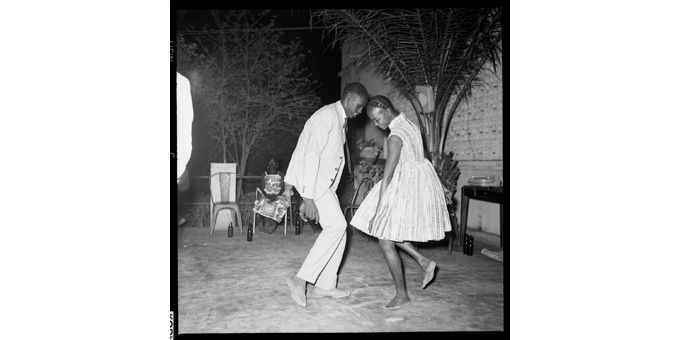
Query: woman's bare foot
point(398, 302)
point(428, 273)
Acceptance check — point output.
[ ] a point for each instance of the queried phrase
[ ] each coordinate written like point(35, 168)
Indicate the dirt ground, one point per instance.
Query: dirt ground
point(229, 285)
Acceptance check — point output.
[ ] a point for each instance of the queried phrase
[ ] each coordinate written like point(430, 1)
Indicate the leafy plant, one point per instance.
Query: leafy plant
point(252, 85)
point(445, 48)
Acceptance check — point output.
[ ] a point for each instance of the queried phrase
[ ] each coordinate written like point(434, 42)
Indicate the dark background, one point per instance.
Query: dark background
point(323, 62)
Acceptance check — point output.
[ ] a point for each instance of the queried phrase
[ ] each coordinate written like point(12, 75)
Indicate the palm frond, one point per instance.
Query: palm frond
point(444, 48)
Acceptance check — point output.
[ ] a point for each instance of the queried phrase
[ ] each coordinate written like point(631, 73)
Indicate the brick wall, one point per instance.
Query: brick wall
point(476, 131)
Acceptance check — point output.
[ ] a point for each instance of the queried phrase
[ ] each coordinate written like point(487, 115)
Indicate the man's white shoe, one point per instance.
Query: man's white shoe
point(299, 299)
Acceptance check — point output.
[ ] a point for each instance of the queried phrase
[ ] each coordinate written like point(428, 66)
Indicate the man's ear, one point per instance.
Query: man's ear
point(344, 99)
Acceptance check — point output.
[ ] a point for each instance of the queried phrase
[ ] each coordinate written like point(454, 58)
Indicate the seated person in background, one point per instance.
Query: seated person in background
point(273, 203)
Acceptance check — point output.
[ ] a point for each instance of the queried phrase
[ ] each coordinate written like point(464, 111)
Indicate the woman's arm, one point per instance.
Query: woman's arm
point(394, 145)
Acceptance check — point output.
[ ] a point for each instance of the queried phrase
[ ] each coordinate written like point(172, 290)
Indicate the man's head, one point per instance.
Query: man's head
point(354, 98)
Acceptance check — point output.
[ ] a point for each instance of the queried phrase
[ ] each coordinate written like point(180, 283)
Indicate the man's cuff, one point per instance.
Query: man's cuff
point(304, 194)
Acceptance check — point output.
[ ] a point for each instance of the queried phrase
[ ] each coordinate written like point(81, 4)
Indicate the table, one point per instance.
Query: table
point(488, 194)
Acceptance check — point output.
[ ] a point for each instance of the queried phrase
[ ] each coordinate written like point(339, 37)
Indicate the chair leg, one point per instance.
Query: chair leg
point(214, 220)
point(285, 223)
point(232, 210)
point(240, 221)
point(254, 220)
point(212, 224)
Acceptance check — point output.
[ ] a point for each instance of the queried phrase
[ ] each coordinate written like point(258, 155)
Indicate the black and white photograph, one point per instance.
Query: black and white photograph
point(340, 171)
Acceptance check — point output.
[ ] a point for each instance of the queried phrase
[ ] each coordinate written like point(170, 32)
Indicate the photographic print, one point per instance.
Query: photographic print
point(340, 171)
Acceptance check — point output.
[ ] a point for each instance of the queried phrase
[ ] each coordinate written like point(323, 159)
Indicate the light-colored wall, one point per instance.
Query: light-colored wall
point(475, 135)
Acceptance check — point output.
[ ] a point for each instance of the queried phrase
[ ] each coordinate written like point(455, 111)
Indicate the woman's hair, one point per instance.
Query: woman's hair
point(380, 102)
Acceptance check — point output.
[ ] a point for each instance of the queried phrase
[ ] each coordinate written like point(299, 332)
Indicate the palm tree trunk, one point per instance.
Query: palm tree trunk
point(224, 152)
point(423, 127)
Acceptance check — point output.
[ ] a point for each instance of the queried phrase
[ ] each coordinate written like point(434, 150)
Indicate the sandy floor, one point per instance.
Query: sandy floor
point(228, 285)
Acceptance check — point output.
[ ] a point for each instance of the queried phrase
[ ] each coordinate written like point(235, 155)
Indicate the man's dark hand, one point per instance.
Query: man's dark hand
point(309, 211)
